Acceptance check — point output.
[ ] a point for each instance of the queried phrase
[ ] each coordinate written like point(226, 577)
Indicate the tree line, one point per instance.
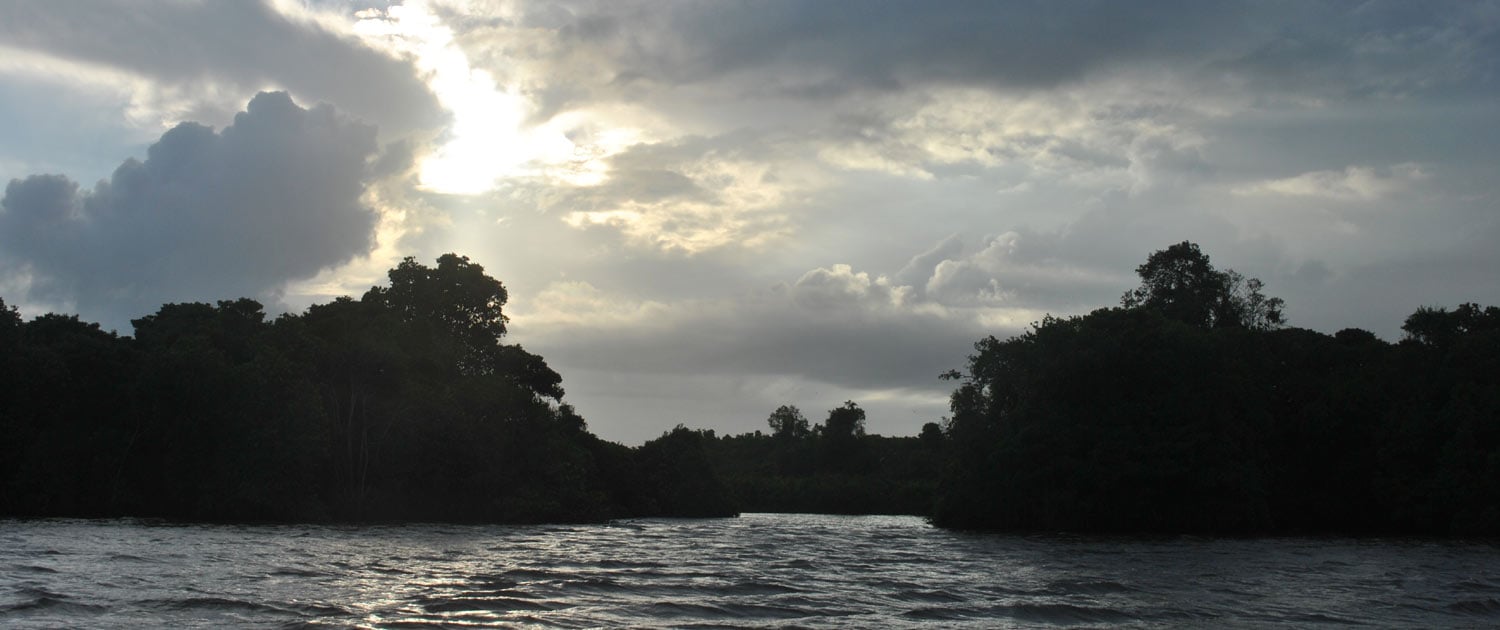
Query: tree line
point(832, 467)
point(405, 404)
point(1190, 407)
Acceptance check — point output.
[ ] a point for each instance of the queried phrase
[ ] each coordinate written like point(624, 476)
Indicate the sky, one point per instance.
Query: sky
point(705, 210)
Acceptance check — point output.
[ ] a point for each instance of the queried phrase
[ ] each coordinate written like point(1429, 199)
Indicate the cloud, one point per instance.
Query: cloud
point(1379, 50)
point(889, 46)
point(786, 200)
point(209, 53)
point(840, 289)
point(1355, 183)
point(274, 197)
point(921, 267)
point(1015, 277)
point(570, 304)
point(816, 51)
point(1101, 136)
point(688, 196)
point(833, 325)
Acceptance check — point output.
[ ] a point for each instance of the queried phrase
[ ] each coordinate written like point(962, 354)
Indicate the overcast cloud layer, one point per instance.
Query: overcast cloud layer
point(706, 210)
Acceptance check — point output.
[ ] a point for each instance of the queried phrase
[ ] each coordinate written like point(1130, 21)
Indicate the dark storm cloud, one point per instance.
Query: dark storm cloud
point(273, 197)
point(823, 51)
point(1379, 48)
point(246, 44)
point(884, 45)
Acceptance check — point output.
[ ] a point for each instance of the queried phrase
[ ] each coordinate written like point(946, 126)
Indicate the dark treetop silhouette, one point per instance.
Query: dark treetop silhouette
point(1189, 408)
point(404, 404)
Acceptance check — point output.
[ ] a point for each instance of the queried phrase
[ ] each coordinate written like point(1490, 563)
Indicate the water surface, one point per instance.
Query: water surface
point(760, 570)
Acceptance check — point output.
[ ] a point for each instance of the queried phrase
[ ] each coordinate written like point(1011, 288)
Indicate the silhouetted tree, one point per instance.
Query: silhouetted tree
point(676, 466)
point(1441, 327)
point(404, 404)
point(1181, 283)
point(931, 435)
point(10, 321)
point(457, 296)
point(845, 423)
point(840, 440)
point(1189, 410)
point(1247, 307)
point(788, 423)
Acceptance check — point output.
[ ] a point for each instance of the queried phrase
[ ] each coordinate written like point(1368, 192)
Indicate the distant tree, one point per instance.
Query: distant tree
point(680, 476)
point(231, 326)
point(788, 423)
point(845, 422)
point(1356, 336)
point(1441, 327)
point(568, 418)
point(10, 318)
point(932, 434)
point(1181, 283)
point(1246, 307)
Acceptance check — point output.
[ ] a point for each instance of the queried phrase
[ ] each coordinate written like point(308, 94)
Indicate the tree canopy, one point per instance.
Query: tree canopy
point(1181, 284)
point(788, 423)
point(846, 421)
point(403, 404)
point(1191, 409)
point(1441, 327)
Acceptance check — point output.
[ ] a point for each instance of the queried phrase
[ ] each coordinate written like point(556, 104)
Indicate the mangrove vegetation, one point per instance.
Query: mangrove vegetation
point(1191, 407)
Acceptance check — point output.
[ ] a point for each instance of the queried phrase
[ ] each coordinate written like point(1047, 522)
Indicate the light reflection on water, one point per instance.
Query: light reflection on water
point(760, 570)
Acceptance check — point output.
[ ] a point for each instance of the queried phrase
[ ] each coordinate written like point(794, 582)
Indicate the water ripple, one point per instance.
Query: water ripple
point(797, 571)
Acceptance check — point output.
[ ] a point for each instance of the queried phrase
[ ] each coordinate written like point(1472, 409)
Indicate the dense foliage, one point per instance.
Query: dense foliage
point(1189, 409)
point(404, 404)
point(830, 467)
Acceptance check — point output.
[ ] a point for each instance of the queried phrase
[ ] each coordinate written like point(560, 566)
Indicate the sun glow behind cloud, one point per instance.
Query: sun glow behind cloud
point(485, 140)
point(491, 137)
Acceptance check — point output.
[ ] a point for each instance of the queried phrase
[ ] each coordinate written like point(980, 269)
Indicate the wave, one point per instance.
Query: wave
point(295, 572)
point(1089, 587)
point(489, 604)
point(768, 571)
point(1062, 614)
point(724, 611)
point(34, 600)
point(1476, 607)
point(235, 605)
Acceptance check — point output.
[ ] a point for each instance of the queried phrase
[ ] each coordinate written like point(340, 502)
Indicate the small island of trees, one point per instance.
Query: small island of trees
point(1189, 408)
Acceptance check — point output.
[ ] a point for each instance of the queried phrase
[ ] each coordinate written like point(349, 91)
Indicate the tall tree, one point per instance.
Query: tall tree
point(468, 305)
point(457, 296)
point(845, 422)
point(788, 423)
point(1181, 283)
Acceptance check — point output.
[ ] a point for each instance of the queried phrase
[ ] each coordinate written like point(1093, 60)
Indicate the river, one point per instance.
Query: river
point(759, 570)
